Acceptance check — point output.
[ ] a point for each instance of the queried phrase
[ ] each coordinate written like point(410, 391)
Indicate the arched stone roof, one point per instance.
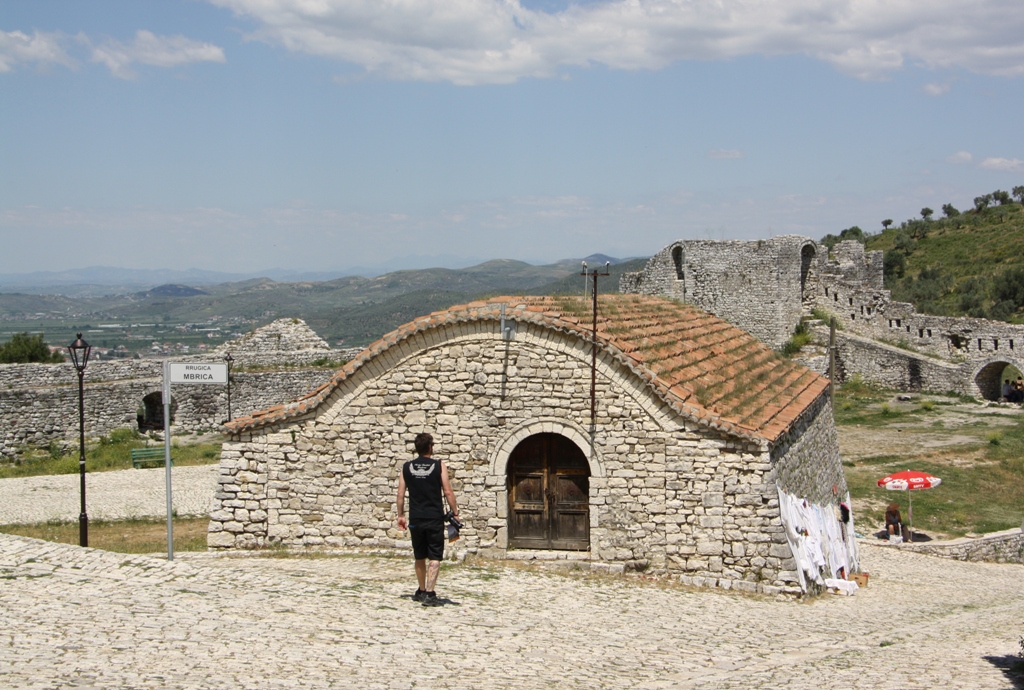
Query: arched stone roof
point(706, 369)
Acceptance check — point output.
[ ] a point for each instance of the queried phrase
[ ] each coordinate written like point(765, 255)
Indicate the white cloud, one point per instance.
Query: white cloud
point(936, 89)
point(40, 48)
point(150, 49)
point(960, 158)
point(1002, 164)
point(722, 154)
point(500, 41)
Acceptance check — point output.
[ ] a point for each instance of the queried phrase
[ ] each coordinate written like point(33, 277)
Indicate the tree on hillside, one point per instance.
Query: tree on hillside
point(904, 242)
point(1018, 192)
point(886, 223)
point(1002, 197)
point(918, 229)
point(24, 348)
point(982, 202)
point(926, 213)
point(894, 265)
point(973, 294)
point(950, 210)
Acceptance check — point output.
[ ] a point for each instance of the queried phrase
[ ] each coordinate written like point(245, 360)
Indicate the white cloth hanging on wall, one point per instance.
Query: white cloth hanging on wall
point(821, 547)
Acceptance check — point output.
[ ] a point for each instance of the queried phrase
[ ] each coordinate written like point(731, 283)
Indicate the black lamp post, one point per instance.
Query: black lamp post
point(80, 357)
point(229, 359)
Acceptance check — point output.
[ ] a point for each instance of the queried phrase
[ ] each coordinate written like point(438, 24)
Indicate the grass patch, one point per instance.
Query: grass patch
point(983, 495)
point(109, 453)
point(983, 498)
point(801, 337)
point(122, 536)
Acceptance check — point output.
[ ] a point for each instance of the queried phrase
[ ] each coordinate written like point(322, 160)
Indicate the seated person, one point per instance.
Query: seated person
point(1018, 390)
point(1007, 391)
point(893, 520)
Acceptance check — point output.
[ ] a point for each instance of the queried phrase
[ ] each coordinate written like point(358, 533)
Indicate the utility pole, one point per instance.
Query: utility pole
point(593, 275)
point(832, 361)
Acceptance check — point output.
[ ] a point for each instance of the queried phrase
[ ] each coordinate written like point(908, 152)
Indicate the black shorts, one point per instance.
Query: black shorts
point(427, 539)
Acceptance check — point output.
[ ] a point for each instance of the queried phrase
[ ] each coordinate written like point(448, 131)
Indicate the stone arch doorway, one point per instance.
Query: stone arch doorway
point(150, 414)
point(990, 377)
point(548, 494)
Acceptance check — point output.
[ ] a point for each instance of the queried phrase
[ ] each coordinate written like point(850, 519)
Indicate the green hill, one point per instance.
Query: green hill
point(966, 264)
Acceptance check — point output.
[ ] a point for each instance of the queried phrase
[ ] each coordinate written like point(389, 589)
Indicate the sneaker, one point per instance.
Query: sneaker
point(430, 599)
point(419, 595)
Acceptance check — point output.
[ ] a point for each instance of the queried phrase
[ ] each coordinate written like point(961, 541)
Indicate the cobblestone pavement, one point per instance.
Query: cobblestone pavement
point(84, 618)
point(117, 495)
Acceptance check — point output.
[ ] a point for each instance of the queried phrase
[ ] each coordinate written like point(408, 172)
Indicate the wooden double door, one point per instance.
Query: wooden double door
point(548, 495)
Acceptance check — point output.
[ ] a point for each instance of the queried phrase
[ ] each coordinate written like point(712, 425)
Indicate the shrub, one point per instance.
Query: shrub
point(23, 348)
point(801, 337)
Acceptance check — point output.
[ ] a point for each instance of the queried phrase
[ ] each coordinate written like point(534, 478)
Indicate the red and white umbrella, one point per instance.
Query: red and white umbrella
point(909, 480)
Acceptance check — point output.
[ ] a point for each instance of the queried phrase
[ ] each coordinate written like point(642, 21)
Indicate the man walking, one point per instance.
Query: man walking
point(425, 478)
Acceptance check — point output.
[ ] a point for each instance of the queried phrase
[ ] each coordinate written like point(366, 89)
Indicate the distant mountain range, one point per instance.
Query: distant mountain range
point(351, 309)
point(95, 281)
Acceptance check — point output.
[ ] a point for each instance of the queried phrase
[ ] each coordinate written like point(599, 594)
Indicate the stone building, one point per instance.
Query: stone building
point(675, 464)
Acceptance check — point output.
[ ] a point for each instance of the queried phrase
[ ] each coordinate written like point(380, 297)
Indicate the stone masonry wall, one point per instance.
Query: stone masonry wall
point(664, 493)
point(758, 286)
point(871, 313)
point(38, 416)
point(765, 286)
point(285, 340)
point(39, 402)
point(899, 369)
point(1000, 547)
point(806, 459)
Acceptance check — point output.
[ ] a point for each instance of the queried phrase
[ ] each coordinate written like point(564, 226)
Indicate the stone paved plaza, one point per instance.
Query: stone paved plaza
point(84, 618)
point(119, 495)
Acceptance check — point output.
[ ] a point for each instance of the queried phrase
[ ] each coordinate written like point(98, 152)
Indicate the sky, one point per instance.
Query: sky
point(318, 135)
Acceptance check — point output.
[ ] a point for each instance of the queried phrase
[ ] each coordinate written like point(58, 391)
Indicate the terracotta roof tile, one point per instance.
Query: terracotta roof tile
point(706, 368)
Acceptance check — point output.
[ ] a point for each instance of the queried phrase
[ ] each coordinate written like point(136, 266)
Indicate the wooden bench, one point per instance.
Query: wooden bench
point(148, 456)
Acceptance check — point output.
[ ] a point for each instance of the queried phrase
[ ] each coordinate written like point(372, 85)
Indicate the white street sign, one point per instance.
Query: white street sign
point(198, 372)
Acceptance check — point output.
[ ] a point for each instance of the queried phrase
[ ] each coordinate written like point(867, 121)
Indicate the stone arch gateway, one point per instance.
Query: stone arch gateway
point(677, 470)
point(150, 415)
point(989, 377)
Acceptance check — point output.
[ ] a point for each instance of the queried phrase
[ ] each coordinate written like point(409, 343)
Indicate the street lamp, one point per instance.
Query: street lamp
point(229, 359)
point(80, 357)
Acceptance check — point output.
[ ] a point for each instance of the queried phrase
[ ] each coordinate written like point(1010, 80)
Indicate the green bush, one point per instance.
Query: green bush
point(1008, 286)
point(23, 348)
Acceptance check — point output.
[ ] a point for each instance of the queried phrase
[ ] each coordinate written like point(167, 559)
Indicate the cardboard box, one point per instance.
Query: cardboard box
point(861, 579)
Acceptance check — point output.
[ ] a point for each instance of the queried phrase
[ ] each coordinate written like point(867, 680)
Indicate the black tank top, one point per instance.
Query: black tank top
point(423, 477)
